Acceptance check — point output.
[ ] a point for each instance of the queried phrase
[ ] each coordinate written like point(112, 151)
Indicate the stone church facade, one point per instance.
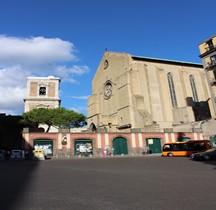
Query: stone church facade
point(141, 94)
point(135, 102)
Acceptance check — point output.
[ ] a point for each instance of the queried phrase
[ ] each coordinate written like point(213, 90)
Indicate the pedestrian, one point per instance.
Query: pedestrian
point(148, 150)
point(145, 150)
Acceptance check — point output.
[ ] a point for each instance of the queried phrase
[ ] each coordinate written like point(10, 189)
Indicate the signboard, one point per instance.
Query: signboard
point(150, 141)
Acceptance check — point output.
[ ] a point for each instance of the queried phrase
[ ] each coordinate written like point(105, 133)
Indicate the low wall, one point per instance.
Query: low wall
point(135, 142)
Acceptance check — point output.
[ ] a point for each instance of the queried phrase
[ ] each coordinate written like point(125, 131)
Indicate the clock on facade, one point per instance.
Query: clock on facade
point(108, 90)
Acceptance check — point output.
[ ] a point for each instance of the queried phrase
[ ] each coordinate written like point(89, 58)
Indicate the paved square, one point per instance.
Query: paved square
point(118, 183)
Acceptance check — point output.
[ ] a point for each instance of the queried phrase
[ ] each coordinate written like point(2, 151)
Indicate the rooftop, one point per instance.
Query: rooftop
point(159, 60)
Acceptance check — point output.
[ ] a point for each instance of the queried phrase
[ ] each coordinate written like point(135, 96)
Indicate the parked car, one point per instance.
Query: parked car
point(207, 155)
point(38, 154)
point(17, 155)
point(2, 154)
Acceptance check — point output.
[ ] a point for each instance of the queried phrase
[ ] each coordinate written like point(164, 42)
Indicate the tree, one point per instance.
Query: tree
point(59, 117)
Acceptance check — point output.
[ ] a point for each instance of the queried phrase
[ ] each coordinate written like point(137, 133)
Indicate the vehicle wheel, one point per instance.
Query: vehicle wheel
point(170, 154)
point(206, 157)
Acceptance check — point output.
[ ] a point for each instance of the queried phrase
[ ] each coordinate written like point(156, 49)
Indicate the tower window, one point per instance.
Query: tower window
point(42, 91)
point(210, 44)
point(213, 59)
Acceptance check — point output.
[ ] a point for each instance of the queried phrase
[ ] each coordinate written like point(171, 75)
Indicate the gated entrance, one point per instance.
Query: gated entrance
point(213, 141)
point(120, 146)
point(83, 147)
point(44, 144)
point(154, 145)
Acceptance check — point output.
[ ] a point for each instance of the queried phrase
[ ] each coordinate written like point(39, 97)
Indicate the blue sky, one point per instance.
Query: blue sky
point(67, 38)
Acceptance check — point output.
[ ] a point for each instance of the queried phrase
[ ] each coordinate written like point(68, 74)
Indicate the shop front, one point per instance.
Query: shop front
point(44, 144)
point(83, 147)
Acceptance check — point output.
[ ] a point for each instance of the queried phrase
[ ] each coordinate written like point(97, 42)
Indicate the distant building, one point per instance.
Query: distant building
point(208, 56)
point(141, 94)
point(42, 92)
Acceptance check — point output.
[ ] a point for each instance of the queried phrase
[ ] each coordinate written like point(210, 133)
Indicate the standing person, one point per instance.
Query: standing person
point(148, 150)
point(145, 150)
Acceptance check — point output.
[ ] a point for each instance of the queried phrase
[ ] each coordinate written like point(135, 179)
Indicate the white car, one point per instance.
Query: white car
point(17, 155)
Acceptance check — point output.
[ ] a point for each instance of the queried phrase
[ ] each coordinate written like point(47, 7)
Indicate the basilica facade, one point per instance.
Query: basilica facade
point(142, 94)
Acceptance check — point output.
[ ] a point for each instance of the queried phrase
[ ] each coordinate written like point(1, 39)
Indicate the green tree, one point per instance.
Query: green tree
point(59, 117)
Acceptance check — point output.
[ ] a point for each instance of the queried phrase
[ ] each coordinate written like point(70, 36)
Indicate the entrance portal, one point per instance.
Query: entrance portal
point(83, 147)
point(154, 145)
point(213, 141)
point(46, 145)
point(120, 146)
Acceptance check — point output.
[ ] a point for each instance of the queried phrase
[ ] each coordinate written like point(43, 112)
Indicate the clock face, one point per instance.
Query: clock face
point(108, 90)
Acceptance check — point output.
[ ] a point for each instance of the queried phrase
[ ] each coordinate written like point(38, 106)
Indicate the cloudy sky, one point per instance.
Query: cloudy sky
point(67, 39)
point(21, 57)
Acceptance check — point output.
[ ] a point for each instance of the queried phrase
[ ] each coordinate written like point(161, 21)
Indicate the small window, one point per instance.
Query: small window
point(210, 44)
point(42, 91)
point(213, 59)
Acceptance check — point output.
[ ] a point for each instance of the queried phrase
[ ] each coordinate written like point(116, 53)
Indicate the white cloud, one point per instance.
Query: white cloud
point(13, 76)
point(80, 97)
point(76, 70)
point(11, 99)
point(67, 72)
point(33, 56)
point(80, 109)
point(34, 50)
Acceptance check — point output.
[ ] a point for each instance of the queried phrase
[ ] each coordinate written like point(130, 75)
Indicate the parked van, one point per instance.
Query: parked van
point(17, 155)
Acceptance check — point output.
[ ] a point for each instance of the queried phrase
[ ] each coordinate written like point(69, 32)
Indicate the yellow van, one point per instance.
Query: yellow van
point(38, 154)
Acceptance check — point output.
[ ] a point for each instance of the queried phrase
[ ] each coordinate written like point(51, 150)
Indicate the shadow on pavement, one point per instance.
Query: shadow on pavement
point(210, 162)
point(15, 176)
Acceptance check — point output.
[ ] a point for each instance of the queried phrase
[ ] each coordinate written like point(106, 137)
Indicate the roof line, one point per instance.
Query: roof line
point(165, 60)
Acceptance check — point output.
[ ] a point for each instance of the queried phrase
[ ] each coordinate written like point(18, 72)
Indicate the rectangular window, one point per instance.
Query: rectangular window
point(213, 59)
point(42, 91)
point(210, 44)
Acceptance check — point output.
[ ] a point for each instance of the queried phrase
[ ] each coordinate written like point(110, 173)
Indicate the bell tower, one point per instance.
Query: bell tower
point(42, 92)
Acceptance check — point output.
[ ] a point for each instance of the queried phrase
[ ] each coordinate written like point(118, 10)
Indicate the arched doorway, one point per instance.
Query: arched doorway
point(92, 127)
point(154, 145)
point(120, 146)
